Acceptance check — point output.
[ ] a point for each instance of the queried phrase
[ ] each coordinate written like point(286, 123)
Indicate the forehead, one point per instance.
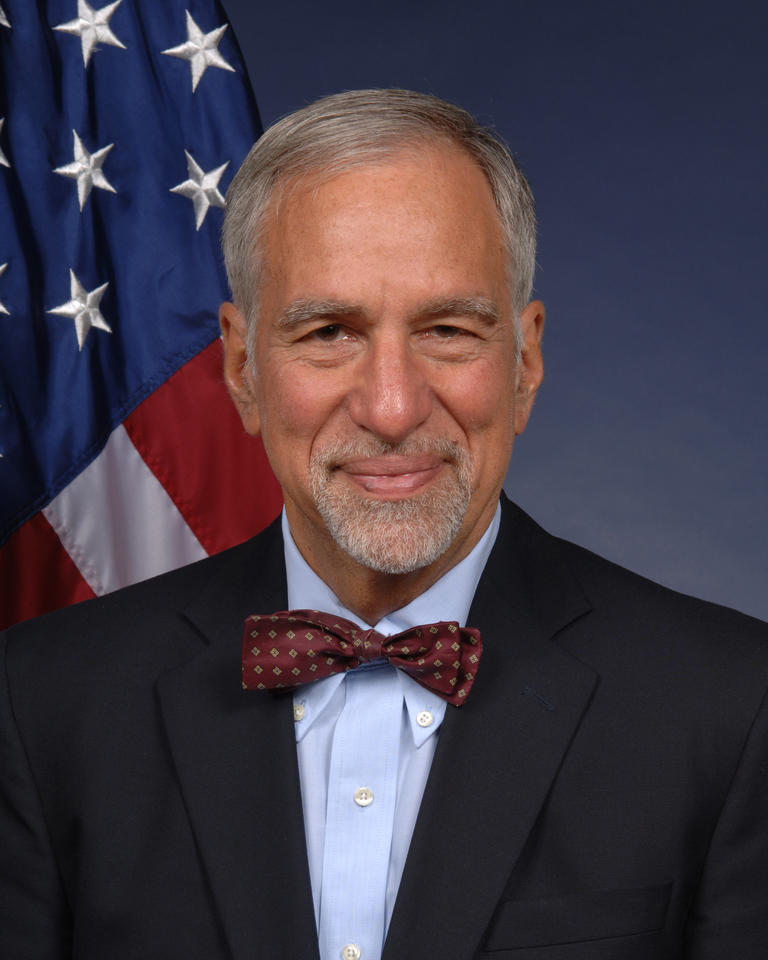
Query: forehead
point(417, 212)
point(406, 167)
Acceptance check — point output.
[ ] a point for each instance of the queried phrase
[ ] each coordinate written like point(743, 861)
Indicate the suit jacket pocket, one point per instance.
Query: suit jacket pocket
point(571, 918)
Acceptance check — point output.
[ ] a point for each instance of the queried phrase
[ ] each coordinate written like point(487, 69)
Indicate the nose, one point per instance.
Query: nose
point(392, 396)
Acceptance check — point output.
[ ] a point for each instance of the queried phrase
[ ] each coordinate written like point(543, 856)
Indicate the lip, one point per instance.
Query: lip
point(392, 476)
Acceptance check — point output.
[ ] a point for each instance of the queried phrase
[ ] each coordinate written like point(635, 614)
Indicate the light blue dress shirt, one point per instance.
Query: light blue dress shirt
point(365, 741)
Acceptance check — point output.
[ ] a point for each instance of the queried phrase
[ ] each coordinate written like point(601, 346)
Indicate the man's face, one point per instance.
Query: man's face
point(385, 384)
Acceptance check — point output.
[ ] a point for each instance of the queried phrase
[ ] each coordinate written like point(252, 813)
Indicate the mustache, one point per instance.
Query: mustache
point(337, 452)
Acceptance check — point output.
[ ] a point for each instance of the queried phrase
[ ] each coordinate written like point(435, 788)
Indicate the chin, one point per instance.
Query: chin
point(395, 536)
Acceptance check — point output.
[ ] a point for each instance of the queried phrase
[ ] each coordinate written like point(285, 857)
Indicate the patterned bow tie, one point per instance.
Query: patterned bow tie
point(293, 647)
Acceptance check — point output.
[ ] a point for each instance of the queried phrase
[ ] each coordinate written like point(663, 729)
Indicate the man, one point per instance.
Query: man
point(593, 786)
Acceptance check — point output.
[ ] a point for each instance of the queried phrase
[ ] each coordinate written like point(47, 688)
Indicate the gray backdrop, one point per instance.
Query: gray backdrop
point(642, 127)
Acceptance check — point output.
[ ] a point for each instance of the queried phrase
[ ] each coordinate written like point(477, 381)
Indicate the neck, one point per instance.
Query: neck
point(375, 595)
point(371, 594)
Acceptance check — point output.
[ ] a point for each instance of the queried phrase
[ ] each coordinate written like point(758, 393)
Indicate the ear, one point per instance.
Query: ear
point(530, 368)
point(237, 373)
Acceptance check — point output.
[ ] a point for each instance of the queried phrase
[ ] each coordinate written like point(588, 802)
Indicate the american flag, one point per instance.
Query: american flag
point(121, 125)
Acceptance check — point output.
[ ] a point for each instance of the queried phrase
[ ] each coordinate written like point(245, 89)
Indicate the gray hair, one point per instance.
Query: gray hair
point(354, 128)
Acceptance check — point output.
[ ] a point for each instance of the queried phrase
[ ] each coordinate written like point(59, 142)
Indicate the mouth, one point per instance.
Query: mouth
point(392, 477)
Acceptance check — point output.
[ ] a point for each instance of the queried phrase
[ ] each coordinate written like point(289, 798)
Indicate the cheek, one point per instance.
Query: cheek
point(482, 400)
point(293, 408)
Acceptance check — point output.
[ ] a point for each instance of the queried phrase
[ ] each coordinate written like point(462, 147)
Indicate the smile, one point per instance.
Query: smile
point(392, 476)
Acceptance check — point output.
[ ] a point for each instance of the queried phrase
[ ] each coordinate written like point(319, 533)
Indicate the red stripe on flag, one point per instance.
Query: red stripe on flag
point(191, 437)
point(37, 574)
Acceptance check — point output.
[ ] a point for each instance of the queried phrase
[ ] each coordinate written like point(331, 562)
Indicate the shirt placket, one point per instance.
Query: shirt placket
point(362, 794)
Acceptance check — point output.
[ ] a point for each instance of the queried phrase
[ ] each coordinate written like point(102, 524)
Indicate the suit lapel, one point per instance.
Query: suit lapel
point(235, 756)
point(498, 754)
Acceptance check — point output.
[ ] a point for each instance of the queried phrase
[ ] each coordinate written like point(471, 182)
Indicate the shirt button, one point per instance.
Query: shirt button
point(363, 797)
point(299, 712)
point(350, 952)
point(424, 719)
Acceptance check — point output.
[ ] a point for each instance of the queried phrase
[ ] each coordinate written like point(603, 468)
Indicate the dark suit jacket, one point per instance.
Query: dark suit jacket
point(602, 794)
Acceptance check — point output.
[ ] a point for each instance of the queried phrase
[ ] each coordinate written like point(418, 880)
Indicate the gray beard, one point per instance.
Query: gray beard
point(393, 536)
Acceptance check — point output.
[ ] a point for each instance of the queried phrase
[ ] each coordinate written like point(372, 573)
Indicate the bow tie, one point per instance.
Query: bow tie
point(293, 647)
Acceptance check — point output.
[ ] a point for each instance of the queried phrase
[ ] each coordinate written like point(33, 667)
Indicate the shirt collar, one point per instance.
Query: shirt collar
point(312, 699)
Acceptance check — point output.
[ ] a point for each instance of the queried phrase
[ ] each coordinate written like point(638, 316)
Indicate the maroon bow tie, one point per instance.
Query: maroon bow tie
point(292, 647)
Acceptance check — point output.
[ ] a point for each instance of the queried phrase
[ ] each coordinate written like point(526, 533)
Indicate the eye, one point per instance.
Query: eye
point(444, 331)
point(329, 333)
point(447, 333)
point(453, 342)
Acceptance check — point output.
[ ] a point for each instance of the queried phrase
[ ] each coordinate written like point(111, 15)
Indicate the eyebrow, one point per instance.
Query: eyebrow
point(483, 308)
point(304, 311)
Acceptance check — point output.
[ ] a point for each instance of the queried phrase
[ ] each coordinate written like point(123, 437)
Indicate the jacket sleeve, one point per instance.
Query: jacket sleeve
point(34, 916)
point(729, 917)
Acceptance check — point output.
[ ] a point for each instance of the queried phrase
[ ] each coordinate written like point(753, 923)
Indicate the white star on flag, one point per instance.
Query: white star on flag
point(83, 308)
point(201, 49)
point(4, 21)
point(86, 169)
point(201, 188)
point(3, 268)
point(3, 158)
point(92, 26)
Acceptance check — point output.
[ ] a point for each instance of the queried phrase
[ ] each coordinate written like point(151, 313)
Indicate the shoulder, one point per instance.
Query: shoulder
point(624, 623)
point(609, 587)
point(144, 623)
point(642, 604)
point(669, 668)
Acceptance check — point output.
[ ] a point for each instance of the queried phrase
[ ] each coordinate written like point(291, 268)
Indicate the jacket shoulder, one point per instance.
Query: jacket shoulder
point(629, 594)
point(147, 619)
point(608, 605)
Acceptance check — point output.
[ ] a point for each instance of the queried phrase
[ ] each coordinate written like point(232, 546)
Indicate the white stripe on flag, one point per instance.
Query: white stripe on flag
point(117, 522)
